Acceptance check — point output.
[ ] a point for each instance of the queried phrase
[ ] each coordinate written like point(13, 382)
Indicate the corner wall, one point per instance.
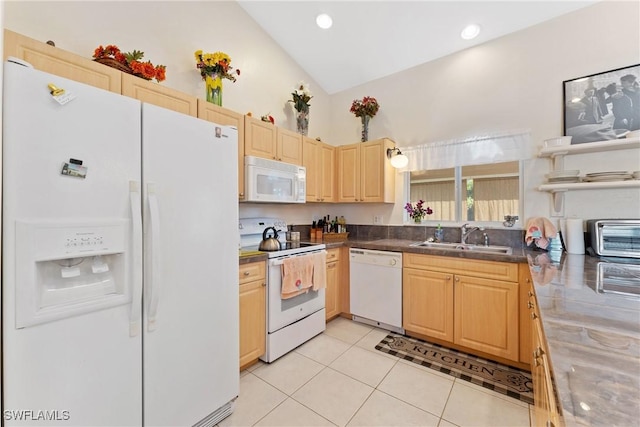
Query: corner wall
point(511, 83)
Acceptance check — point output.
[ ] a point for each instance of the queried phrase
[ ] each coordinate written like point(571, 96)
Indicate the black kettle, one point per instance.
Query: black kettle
point(269, 244)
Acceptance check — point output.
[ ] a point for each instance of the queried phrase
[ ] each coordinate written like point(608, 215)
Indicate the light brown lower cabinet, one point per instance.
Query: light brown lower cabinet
point(546, 412)
point(332, 292)
point(252, 312)
point(470, 303)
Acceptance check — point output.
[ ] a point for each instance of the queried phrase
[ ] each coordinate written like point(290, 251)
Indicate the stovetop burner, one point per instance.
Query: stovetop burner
point(251, 230)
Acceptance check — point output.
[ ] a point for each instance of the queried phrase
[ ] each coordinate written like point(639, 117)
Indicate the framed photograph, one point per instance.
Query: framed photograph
point(602, 106)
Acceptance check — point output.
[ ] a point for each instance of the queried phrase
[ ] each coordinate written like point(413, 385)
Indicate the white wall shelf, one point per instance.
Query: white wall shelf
point(591, 147)
point(557, 154)
point(553, 188)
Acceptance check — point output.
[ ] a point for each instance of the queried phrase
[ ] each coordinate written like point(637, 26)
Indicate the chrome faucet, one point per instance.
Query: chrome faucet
point(466, 230)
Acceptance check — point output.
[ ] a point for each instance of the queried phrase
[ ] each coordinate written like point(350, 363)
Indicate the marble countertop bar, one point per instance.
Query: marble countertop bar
point(593, 338)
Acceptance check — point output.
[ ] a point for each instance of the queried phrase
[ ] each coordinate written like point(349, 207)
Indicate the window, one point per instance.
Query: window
point(483, 193)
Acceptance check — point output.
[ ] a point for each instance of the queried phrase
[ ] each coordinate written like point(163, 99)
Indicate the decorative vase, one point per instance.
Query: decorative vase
point(365, 129)
point(416, 219)
point(214, 89)
point(302, 122)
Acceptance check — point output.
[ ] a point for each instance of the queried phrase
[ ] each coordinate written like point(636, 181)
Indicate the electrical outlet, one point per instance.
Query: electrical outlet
point(378, 219)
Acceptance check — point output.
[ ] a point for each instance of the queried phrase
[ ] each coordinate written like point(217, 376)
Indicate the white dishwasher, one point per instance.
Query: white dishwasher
point(376, 288)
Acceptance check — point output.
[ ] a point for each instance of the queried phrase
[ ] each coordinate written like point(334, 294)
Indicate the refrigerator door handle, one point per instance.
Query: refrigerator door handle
point(136, 288)
point(154, 282)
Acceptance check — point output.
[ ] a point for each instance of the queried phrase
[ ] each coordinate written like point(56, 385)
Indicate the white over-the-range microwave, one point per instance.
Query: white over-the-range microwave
point(271, 181)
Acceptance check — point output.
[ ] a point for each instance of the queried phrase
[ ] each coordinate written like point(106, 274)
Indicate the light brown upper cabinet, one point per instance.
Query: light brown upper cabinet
point(364, 172)
point(84, 70)
point(320, 161)
point(61, 63)
point(153, 93)
point(289, 146)
point(263, 139)
point(213, 113)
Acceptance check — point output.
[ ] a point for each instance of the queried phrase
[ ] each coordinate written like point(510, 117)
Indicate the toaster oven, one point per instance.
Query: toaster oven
point(614, 237)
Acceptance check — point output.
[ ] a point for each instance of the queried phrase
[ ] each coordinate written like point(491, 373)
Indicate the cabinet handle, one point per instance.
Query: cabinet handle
point(264, 283)
point(241, 194)
point(536, 361)
point(530, 304)
point(457, 279)
point(246, 273)
point(528, 280)
point(332, 265)
point(534, 316)
point(538, 352)
point(448, 278)
point(550, 424)
point(530, 294)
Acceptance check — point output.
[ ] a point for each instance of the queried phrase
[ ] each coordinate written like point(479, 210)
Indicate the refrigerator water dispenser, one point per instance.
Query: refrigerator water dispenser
point(65, 269)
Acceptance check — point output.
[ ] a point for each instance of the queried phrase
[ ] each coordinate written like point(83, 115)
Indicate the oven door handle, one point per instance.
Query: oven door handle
point(280, 261)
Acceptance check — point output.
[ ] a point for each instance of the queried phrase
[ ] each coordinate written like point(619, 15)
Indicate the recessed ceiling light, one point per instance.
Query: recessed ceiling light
point(470, 31)
point(324, 21)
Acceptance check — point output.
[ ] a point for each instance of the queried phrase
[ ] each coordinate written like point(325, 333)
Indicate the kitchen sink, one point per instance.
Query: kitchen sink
point(505, 250)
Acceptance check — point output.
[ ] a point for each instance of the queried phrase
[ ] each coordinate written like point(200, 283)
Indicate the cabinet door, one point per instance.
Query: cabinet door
point(377, 174)
point(344, 285)
point(310, 160)
point(348, 173)
point(372, 171)
point(527, 301)
point(332, 293)
point(259, 138)
point(541, 403)
point(216, 114)
point(289, 146)
point(153, 93)
point(61, 63)
point(252, 321)
point(427, 303)
point(327, 181)
point(486, 316)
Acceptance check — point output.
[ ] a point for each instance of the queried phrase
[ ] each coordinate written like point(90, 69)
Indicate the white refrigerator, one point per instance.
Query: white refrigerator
point(119, 259)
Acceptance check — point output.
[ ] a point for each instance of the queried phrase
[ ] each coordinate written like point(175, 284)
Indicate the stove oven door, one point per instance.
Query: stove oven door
point(283, 312)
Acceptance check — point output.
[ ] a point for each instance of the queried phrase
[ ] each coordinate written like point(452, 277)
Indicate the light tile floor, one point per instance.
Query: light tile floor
point(339, 379)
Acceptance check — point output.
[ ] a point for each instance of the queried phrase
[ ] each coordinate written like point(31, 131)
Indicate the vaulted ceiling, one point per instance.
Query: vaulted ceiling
point(374, 39)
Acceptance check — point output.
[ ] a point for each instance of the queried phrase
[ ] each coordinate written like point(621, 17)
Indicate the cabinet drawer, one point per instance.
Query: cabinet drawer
point(472, 267)
point(252, 271)
point(333, 255)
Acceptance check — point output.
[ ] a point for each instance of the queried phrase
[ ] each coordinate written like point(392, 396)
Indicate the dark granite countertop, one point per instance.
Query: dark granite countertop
point(400, 245)
point(250, 257)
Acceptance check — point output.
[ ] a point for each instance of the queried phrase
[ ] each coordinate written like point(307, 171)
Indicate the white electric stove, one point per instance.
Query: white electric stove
point(290, 322)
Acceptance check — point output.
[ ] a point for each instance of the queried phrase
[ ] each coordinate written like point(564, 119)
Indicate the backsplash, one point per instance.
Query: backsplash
point(501, 237)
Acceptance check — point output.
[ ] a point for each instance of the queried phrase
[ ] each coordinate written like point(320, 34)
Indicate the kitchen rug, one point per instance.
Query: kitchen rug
point(494, 376)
